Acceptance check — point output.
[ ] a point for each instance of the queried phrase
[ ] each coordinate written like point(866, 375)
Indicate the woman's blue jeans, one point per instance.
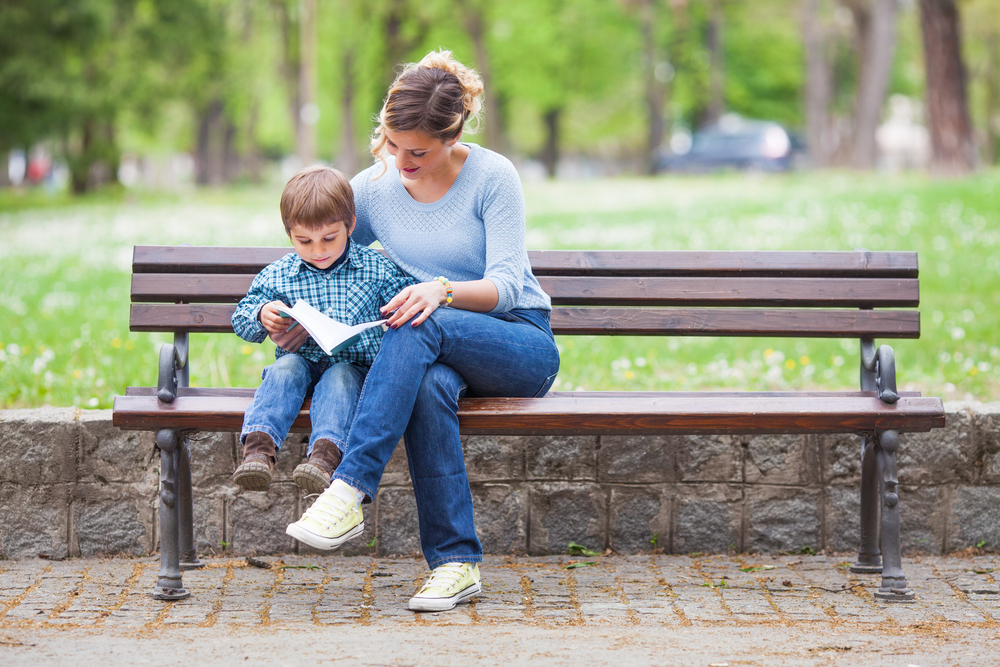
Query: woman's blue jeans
point(412, 390)
point(276, 403)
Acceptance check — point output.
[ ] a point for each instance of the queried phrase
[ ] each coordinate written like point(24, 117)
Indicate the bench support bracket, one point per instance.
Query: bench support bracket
point(869, 554)
point(894, 588)
point(169, 585)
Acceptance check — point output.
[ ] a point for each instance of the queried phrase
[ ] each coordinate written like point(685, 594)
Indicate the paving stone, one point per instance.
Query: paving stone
point(638, 458)
point(975, 518)
point(708, 518)
point(640, 518)
point(560, 457)
point(665, 591)
point(564, 513)
point(704, 458)
point(941, 456)
point(494, 458)
point(501, 512)
point(398, 527)
point(214, 457)
point(38, 447)
point(783, 519)
point(782, 459)
point(42, 524)
point(109, 455)
point(111, 519)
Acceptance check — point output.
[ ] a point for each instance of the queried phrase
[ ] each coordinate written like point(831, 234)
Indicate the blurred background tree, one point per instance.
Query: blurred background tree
point(239, 84)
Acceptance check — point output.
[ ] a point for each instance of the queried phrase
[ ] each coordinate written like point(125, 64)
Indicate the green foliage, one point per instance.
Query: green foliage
point(574, 549)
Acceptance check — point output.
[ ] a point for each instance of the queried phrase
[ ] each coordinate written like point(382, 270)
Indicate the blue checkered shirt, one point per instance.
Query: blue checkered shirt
point(352, 293)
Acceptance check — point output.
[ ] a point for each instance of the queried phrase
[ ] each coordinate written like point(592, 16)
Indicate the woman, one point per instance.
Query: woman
point(452, 215)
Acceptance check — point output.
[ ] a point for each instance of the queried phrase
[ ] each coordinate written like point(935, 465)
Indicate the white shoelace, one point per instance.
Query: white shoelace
point(329, 508)
point(445, 576)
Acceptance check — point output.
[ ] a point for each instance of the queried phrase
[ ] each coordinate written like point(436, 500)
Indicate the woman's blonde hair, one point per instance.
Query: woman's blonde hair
point(438, 96)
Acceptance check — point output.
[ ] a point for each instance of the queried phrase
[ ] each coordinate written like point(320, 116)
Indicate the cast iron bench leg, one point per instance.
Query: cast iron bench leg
point(169, 585)
point(894, 587)
point(869, 555)
point(185, 509)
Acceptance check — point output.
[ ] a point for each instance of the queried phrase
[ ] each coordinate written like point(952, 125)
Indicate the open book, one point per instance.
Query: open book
point(329, 334)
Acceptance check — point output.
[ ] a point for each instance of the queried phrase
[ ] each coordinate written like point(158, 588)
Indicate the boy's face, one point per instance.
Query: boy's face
point(321, 246)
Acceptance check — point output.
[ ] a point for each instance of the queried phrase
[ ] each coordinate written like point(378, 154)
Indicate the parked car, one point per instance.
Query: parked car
point(736, 143)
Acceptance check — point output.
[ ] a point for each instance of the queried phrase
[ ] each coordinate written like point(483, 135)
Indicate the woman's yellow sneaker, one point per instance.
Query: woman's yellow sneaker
point(448, 585)
point(333, 519)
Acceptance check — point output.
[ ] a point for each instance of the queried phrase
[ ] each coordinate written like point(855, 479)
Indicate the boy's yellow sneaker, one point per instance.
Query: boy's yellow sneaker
point(448, 585)
point(333, 519)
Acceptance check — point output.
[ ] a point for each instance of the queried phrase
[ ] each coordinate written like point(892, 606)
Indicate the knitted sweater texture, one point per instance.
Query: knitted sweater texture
point(475, 231)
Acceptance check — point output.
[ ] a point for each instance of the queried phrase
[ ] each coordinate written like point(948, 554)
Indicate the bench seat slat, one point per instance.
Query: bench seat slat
point(603, 291)
point(845, 264)
point(591, 414)
point(247, 392)
point(615, 321)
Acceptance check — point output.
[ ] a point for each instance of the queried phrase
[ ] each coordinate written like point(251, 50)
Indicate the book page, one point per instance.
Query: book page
point(332, 336)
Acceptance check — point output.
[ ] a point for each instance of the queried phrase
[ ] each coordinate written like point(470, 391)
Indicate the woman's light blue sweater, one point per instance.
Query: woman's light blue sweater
point(475, 231)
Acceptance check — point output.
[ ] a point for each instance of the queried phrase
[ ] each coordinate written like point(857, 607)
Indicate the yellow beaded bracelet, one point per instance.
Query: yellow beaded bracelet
point(447, 286)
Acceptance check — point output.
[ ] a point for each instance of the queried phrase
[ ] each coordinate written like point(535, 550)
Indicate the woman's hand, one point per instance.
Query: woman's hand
point(417, 301)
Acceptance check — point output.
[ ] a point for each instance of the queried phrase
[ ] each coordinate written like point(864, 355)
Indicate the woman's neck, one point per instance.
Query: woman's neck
point(435, 185)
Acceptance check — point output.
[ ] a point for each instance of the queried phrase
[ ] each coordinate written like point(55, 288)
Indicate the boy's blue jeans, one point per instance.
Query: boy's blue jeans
point(412, 390)
point(335, 389)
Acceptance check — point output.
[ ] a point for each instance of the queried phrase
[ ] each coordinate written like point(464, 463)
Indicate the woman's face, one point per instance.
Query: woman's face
point(418, 155)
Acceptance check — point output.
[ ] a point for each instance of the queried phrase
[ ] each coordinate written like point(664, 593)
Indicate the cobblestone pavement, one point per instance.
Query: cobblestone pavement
point(662, 610)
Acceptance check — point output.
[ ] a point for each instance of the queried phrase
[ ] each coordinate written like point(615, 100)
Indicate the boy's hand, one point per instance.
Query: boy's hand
point(290, 340)
point(272, 320)
point(417, 301)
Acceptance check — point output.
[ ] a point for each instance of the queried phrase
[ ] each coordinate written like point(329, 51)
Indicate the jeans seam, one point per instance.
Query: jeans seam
point(455, 559)
point(355, 483)
point(247, 430)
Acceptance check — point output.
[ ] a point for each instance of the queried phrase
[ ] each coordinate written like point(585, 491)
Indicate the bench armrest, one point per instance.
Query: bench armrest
point(878, 370)
point(173, 368)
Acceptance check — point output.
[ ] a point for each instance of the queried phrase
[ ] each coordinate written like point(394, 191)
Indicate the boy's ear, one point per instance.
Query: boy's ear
point(354, 223)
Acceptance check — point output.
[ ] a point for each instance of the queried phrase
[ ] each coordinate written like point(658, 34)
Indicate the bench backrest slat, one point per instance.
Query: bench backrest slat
point(604, 292)
point(210, 318)
point(839, 264)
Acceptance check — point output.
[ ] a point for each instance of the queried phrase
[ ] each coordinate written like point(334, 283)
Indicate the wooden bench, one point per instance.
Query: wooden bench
point(861, 295)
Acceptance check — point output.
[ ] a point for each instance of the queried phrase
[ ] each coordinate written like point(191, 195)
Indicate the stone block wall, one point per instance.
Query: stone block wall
point(73, 485)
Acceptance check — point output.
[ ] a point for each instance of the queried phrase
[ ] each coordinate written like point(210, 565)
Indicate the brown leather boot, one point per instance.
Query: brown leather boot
point(259, 457)
point(314, 475)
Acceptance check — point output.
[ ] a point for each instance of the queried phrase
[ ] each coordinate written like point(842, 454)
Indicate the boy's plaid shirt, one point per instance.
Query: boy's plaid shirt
point(351, 293)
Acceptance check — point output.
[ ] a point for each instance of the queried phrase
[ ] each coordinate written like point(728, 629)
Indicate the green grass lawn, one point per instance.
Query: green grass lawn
point(64, 268)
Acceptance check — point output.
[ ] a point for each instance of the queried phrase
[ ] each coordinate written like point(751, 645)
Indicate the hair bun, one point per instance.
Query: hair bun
point(472, 84)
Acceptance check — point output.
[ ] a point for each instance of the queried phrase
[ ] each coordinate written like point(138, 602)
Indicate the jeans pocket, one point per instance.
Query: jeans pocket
point(545, 386)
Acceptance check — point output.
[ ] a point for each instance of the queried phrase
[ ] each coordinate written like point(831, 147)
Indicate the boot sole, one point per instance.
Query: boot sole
point(444, 604)
point(252, 477)
point(320, 542)
point(310, 478)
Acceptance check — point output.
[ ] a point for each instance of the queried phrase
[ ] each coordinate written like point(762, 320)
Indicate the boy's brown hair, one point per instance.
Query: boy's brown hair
point(317, 196)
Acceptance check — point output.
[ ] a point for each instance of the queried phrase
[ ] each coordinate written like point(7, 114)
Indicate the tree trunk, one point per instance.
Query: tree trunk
point(348, 161)
point(550, 151)
point(819, 86)
point(79, 165)
point(716, 99)
point(289, 66)
point(475, 24)
point(308, 111)
point(877, 32)
point(952, 149)
point(992, 97)
point(209, 153)
point(656, 91)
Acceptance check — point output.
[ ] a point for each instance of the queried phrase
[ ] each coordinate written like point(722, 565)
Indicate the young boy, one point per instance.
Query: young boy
point(347, 282)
